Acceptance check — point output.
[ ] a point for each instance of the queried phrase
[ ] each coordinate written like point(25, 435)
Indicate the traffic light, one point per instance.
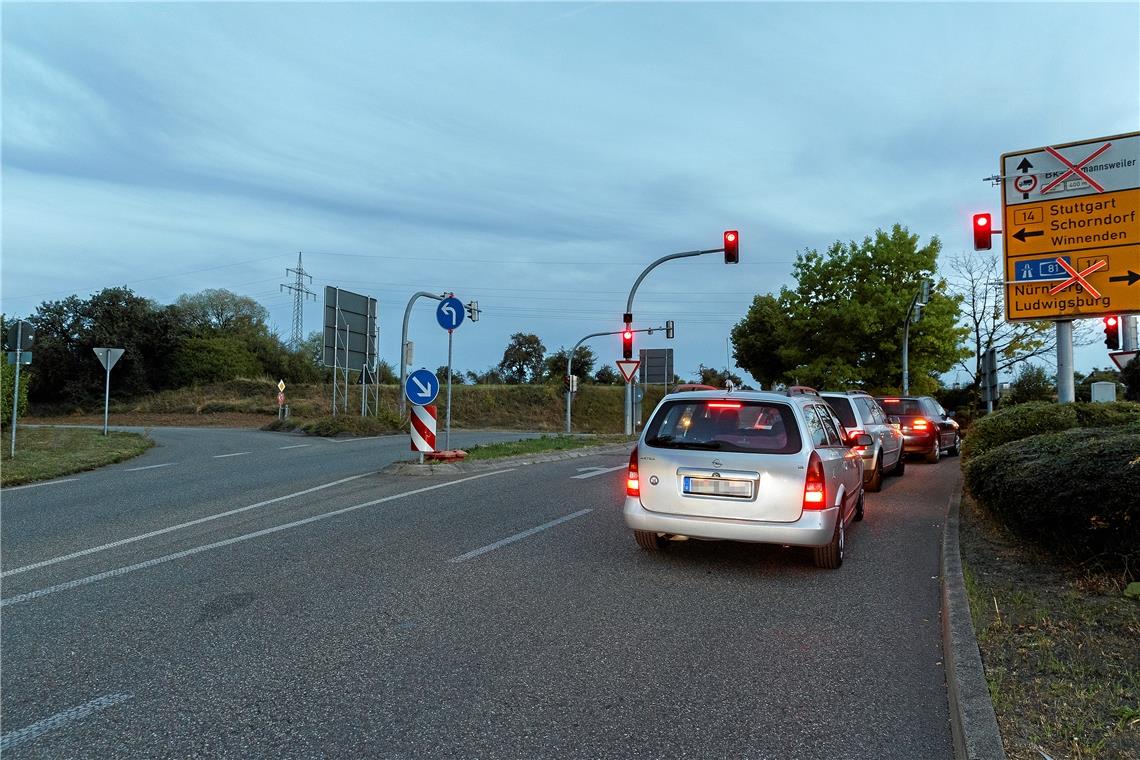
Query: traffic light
point(1112, 332)
point(731, 247)
point(473, 310)
point(983, 232)
point(669, 329)
point(917, 313)
point(924, 296)
point(627, 342)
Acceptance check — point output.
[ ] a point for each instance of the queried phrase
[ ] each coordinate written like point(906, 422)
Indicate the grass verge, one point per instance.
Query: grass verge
point(1059, 648)
point(331, 426)
point(43, 453)
point(543, 445)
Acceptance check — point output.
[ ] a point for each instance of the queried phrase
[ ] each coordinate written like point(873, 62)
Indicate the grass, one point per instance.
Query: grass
point(43, 453)
point(1059, 648)
point(330, 426)
point(542, 445)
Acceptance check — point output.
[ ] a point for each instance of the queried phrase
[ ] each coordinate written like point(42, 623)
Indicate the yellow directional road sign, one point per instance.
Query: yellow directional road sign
point(1071, 229)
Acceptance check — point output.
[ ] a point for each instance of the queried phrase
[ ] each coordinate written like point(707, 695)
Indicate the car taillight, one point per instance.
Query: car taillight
point(632, 487)
point(815, 496)
point(920, 424)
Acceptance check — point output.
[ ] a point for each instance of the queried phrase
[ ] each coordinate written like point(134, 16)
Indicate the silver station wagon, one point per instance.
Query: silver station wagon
point(746, 466)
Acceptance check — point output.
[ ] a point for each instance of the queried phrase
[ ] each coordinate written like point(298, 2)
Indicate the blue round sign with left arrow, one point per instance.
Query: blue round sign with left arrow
point(449, 313)
point(421, 387)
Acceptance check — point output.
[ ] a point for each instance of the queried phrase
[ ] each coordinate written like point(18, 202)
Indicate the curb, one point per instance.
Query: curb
point(451, 468)
point(972, 718)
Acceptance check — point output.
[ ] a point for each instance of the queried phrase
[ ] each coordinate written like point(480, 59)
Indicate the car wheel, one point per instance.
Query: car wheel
point(831, 555)
point(935, 452)
point(648, 540)
point(875, 484)
point(860, 504)
point(957, 447)
point(900, 466)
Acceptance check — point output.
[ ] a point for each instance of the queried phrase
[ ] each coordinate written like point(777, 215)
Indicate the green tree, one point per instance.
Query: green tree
point(607, 375)
point(457, 378)
point(842, 325)
point(523, 359)
point(1131, 377)
point(201, 360)
point(718, 378)
point(222, 311)
point(1032, 383)
point(1082, 383)
point(584, 361)
point(7, 385)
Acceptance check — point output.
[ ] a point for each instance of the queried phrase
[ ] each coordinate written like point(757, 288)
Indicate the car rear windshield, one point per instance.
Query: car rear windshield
point(725, 425)
point(842, 409)
point(901, 407)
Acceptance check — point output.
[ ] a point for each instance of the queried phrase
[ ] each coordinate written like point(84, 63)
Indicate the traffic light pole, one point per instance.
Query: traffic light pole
point(1065, 390)
point(404, 345)
point(1128, 333)
point(570, 362)
point(629, 426)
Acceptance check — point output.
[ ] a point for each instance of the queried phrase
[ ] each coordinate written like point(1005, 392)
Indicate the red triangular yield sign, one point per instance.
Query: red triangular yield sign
point(628, 368)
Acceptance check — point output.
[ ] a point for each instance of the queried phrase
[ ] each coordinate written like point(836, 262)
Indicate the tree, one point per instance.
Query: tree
point(607, 375)
point(523, 359)
point(584, 360)
point(1033, 383)
point(1131, 377)
point(457, 378)
point(1082, 383)
point(718, 378)
point(843, 323)
point(220, 310)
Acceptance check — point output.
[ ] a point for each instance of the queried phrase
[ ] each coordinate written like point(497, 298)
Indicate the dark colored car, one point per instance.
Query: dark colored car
point(926, 427)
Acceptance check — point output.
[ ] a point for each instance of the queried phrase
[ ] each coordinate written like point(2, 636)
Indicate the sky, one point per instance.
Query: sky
point(533, 157)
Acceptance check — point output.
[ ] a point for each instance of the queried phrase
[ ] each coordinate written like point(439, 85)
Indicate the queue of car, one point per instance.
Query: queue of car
point(787, 467)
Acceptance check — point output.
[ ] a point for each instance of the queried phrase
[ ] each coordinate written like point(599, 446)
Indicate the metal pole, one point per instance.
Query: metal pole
point(107, 391)
point(570, 367)
point(404, 344)
point(1128, 333)
point(347, 338)
point(1065, 390)
point(447, 430)
point(16, 389)
point(906, 357)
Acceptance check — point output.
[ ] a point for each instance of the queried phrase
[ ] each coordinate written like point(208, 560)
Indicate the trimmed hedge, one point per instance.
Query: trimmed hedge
point(1076, 493)
point(1038, 417)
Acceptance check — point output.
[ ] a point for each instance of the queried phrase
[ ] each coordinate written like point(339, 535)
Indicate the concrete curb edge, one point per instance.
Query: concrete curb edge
point(972, 718)
point(482, 465)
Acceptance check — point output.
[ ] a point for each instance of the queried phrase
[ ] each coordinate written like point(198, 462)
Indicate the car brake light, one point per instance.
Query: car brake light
point(632, 486)
point(920, 424)
point(815, 496)
point(724, 405)
point(890, 401)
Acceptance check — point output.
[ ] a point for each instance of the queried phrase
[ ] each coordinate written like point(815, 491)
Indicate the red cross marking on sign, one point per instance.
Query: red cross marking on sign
point(1075, 168)
point(1079, 277)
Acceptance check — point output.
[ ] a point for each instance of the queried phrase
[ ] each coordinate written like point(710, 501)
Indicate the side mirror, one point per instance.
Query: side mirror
point(863, 439)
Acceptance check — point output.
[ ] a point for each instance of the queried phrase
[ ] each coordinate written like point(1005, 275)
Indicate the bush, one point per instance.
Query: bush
point(1074, 493)
point(1106, 415)
point(210, 360)
point(347, 423)
point(1024, 420)
point(7, 383)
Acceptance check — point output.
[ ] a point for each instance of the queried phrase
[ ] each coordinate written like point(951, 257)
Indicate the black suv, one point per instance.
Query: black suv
point(927, 428)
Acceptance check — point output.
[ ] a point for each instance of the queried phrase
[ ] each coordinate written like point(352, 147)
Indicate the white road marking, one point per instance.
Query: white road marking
point(16, 738)
point(150, 467)
point(172, 528)
point(235, 540)
point(37, 485)
point(366, 438)
point(590, 472)
point(238, 454)
point(517, 537)
point(294, 446)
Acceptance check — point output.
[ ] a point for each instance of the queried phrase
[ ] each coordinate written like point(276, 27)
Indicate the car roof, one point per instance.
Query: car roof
point(722, 395)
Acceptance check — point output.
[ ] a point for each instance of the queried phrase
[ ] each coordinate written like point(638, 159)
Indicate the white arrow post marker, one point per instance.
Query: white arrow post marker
point(424, 390)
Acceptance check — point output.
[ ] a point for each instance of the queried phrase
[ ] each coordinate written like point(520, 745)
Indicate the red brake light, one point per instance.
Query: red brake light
point(815, 496)
point(890, 401)
point(632, 486)
point(920, 424)
point(724, 405)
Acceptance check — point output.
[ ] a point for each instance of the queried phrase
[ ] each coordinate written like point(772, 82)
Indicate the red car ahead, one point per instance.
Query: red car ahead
point(927, 428)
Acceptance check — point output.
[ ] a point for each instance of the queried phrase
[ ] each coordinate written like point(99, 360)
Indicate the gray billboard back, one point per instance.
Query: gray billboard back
point(344, 308)
point(656, 366)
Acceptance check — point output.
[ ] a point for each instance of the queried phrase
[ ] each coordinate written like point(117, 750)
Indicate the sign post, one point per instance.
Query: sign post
point(108, 357)
point(20, 337)
point(1071, 236)
point(449, 313)
point(628, 369)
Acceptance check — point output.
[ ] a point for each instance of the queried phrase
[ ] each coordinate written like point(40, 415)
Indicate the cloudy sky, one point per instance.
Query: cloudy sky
point(533, 157)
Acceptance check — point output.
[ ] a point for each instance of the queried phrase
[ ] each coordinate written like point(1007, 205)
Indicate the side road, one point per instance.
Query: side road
point(505, 612)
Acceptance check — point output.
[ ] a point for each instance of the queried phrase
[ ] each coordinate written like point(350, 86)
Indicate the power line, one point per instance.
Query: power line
point(300, 292)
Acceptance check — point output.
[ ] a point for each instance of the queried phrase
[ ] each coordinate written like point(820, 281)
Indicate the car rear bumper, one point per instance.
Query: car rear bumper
point(814, 528)
point(918, 444)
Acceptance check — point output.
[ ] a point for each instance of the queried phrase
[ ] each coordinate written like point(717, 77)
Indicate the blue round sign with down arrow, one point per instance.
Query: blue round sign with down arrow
point(421, 387)
point(449, 313)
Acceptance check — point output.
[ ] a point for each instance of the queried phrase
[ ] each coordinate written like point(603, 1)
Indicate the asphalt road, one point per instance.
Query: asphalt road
point(493, 614)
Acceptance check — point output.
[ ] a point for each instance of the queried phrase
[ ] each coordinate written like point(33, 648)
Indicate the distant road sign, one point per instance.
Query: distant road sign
point(25, 357)
point(1121, 358)
point(449, 313)
point(280, 399)
point(628, 368)
point(280, 385)
point(421, 387)
point(1078, 203)
point(22, 332)
point(108, 357)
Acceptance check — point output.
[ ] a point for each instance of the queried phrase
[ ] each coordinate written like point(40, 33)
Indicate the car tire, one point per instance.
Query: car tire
point(957, 447)
point(900, 466)
point(860, 504)
point(648, 540)
point(875, 484)
point(935, 453)
point(830, 556)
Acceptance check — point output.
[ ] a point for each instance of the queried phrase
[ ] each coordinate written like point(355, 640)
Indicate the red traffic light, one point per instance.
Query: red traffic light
point(983, 232)
point(1112, 332)
point(627, 343)
point(731, 247)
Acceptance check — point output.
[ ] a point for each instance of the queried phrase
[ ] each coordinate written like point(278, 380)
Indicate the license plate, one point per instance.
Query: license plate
point(736, 489)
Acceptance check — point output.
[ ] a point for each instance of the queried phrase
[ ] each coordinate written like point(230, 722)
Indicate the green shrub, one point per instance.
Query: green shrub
point(211, 360)
point(7, 383)
point(1074, 493)
point(1015, 423)
point(1107, 415)
point(347, 423)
